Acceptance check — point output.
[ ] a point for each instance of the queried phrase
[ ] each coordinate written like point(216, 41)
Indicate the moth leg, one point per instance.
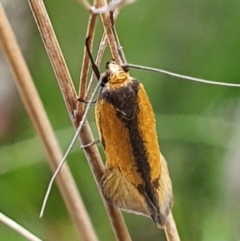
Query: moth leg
point(86, 101)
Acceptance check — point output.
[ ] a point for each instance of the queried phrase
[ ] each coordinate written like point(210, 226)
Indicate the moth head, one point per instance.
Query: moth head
point(115, 73)
point(113, 68)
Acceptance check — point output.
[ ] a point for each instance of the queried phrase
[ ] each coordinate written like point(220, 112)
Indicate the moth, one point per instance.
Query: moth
point(136, 177)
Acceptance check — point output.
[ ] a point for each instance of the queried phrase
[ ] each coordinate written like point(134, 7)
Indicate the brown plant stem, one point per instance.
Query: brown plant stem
point(107, 24)
point(55, 55)
point(44, 130)
point(171, 229)
point(85, 63)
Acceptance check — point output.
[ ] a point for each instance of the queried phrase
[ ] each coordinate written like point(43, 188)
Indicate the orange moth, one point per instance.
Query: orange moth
point(136, 177)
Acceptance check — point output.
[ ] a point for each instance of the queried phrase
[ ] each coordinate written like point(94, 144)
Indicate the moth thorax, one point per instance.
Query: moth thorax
point(120, 78)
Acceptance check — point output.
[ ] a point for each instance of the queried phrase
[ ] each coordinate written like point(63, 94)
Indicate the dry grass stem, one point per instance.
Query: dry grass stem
point(18, 228)
point(85, 4)
point(66, 86)
point(107, 24)
point(171, 229)
point(41, 123)
point(54, 53)
point(86, 62)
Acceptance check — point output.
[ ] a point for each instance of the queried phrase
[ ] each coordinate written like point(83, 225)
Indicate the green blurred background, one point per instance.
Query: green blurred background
point(197, 124)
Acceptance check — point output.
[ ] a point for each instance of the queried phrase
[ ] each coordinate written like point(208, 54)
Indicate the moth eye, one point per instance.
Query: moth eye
point(104, 81)
point(107, 64)
point(125, 69)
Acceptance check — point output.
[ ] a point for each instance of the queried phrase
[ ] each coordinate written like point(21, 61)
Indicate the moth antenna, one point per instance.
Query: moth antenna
point(94, 66)
point(69, 148)
point(180, 76)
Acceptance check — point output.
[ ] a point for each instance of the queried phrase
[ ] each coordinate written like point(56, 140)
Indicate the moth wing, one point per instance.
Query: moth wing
point(164, 193)
point(124, 101)
point(122, 193)
point(98, 115)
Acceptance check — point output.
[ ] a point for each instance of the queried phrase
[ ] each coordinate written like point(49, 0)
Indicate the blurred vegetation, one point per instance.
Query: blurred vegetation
point(197, 124)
